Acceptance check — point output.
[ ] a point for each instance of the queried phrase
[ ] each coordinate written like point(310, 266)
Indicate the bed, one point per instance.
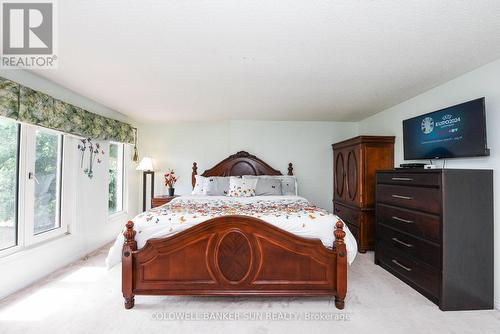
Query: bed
point(234, 248)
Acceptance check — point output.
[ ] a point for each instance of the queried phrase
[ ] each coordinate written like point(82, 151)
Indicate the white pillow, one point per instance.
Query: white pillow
point(288, 183)
point(266, 186)
point(199, 186)
point(216, 185)
point(239, 187)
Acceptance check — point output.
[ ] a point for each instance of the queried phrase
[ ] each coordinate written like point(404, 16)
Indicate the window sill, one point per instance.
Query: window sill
point(10, 251)
point(17, 251)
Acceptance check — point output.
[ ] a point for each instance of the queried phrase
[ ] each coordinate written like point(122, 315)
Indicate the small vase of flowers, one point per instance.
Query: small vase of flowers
point(170, 180)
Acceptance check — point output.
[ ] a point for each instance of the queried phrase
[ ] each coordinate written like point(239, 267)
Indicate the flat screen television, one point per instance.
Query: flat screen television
point(458, 131)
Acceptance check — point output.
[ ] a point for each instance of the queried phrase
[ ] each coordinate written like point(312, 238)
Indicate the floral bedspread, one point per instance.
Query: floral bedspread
point(183, 209)
point(291, 213)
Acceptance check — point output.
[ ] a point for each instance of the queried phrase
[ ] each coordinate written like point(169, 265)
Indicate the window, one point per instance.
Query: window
point(9, 162)
point(47, 176)
point(115, 188)
point(31, 165)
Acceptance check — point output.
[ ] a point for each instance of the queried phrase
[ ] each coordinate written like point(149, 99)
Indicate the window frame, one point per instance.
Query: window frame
point(26, 157)
point(19, 234)
point(123, 210)
point(30, 238)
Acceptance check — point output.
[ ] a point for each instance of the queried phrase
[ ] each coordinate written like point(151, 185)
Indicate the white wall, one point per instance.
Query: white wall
point(306, 144)
point(484, 81)
point(89, 228)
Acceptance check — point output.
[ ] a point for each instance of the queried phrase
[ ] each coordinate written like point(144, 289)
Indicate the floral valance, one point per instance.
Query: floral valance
point(30, 106)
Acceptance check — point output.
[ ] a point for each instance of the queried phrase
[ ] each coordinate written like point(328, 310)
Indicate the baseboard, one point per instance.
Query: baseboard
point(497, 303)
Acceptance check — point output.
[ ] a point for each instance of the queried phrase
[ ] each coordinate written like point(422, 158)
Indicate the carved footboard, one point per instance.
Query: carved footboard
point(234, 256)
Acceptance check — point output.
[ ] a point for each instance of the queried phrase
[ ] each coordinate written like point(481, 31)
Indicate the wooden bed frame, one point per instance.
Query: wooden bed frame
point(235, 255)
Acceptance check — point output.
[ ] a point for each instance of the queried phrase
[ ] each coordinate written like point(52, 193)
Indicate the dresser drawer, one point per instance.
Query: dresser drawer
point(421, 275)
point(418, 179)
point(347, 214)
point(419, 198)
point(417, 223)
point(418, 249)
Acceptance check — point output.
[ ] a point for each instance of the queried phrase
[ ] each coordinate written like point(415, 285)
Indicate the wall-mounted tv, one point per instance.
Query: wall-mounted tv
point(458, 131)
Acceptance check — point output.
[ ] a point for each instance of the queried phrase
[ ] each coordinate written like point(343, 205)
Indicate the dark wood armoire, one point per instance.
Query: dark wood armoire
point(355, 162)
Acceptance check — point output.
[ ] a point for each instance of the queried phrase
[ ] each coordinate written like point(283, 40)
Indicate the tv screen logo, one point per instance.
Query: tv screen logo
point(427, 125)
point(28, 34)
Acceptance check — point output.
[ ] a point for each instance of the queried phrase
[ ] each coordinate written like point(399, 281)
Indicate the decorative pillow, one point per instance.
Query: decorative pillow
point(199, 186)
point(289, 185)
point(288, 182)
point(239, 187)
point(266, 186)
point(216, 185)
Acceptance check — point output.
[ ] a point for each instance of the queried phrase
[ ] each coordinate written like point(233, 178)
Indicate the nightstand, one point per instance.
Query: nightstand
point(160, 200)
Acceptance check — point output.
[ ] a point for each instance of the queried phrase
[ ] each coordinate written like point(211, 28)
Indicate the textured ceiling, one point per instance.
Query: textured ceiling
point(268, 59)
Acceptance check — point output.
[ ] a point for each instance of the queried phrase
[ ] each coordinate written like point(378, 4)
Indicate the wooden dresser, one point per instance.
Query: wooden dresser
point(160, 200)
point(354, 164)
point(434, 231)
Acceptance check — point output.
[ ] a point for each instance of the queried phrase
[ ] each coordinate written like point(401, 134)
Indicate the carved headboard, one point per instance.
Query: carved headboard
point(241, 163)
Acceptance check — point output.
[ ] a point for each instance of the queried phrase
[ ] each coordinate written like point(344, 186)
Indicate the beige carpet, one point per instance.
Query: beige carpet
point(86, 298)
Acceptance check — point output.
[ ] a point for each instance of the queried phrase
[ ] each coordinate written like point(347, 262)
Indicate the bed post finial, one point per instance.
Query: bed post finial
point(129, 233)
point(290, 169)
point(341, 251)
point(129, 246)
point(339, 233)
point(195, 171)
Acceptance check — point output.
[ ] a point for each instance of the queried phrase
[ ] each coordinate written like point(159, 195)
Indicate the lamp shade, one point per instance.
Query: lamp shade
point(146, 164)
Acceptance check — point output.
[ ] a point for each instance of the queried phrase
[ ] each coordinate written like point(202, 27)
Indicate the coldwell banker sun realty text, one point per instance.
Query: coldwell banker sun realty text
point(28, 34)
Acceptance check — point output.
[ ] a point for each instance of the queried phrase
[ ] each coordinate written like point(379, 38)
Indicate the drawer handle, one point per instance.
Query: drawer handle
point(402, 197)
point(402, 220)
point(396, 262)
point(402, 179)
point(402, 242)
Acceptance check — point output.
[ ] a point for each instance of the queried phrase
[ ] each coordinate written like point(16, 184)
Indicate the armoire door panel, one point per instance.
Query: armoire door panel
point(339, 176)
point(352, 176)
